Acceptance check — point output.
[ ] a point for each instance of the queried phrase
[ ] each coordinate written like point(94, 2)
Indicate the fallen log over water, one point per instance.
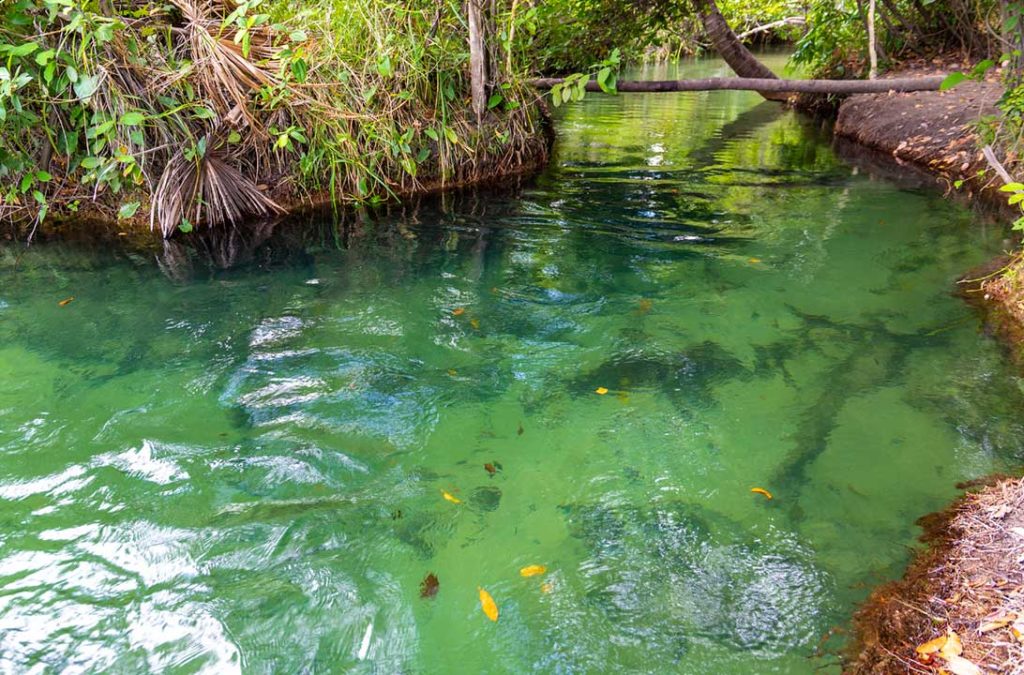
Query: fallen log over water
point(764, 84)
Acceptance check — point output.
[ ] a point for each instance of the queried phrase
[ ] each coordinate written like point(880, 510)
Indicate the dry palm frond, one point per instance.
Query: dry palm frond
point(220, 70)
point(207, 191)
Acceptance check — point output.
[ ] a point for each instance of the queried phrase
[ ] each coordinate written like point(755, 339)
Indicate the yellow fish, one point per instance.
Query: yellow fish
point(452, 498)
point(533, 570)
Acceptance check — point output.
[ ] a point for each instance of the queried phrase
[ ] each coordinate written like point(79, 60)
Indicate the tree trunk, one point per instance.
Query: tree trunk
point(764, 85)
point(477, 59)
point(872, 54)
point(732, 50)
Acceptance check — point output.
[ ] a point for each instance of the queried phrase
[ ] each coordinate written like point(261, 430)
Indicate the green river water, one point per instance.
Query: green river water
point(217, 470)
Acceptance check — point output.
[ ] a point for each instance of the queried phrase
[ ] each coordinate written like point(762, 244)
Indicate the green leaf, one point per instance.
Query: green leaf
point(91, 162)
point(22, 50)
point(1012, 187)
point(86, 86)
point(952, 80)
point(384, 66)
point(203, 113)
point(43, 176)
point(234, 137)
point(431, 134)
point(494, 101)
point(127, 210)
point(185, 226)
point(1016, 198)
point(297, 36)
point(132, 119)
point(451, 135)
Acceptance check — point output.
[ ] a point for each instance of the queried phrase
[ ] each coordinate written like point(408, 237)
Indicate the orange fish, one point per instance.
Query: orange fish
point(66, 301)
point(762, 491)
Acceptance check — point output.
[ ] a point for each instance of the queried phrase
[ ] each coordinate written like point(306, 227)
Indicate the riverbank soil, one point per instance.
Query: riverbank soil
point(933, 130)
point(960, 608)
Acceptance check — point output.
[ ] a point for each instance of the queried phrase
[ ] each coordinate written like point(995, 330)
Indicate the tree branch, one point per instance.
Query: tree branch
point(761, 84)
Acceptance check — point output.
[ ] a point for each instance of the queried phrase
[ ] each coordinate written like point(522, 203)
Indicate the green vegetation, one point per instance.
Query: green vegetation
point(209, 111)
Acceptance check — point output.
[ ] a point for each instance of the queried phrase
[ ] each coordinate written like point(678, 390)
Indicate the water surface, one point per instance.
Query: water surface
point(210, 469)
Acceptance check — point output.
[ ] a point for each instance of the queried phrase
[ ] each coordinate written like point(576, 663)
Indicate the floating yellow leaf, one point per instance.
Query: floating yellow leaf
point(931, 647)
point(762, 491)
point(533, 570)
point(66, 301)
point(458, 311)
point(475, 323)
point(452, 498)
point(754, 261)
point(487, 604)
point(601, 390)
point(644, 306)
point(546, 587)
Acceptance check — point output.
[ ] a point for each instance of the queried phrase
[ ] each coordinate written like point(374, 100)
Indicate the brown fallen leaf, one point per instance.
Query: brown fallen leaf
point(66, 301)
point(952, 647)
point(997, 622)
point(458, 311)
point(475, 323)
point(488, 605)
point(490, 468)
point(519, 431)
point(958, 665)
point(931, 647)
point(644, 306)
point(429, 586)
point(546, 587)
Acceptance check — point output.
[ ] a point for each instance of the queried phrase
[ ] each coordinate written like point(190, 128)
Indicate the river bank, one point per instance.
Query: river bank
point(960, 606)
point(936, 132)
point(957, 606)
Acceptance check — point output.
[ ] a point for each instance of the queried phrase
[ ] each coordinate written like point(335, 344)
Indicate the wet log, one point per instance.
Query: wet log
point(840, 87)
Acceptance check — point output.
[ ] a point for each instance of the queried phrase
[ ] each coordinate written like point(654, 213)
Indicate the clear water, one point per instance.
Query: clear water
point(241, 470)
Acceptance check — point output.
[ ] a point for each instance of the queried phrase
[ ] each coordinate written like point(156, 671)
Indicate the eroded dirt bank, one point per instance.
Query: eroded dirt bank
point(960, 606)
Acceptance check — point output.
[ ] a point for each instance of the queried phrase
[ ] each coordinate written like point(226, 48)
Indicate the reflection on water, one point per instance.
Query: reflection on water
point(235, 458)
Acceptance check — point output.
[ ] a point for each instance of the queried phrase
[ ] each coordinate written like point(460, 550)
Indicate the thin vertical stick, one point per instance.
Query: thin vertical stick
point(872, 55)
point(477, 59)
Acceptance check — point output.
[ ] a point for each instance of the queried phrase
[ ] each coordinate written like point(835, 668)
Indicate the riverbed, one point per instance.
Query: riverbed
point(249, 453)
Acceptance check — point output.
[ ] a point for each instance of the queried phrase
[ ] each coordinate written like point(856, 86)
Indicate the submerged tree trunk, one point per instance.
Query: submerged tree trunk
point(732, 49)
